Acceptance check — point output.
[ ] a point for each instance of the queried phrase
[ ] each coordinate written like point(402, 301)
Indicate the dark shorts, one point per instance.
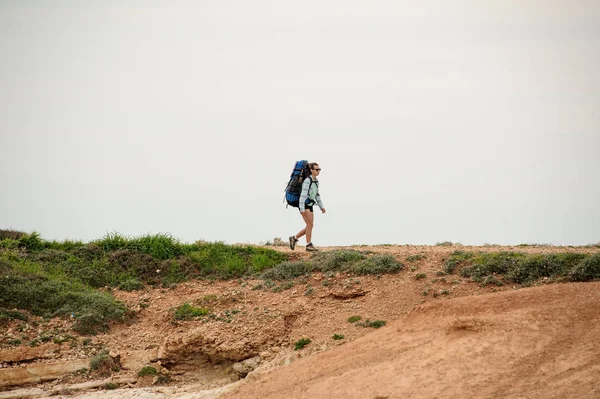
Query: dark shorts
point(308, 208)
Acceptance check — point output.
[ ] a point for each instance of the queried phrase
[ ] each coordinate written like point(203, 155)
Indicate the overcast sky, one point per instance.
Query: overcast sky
point(466, 121)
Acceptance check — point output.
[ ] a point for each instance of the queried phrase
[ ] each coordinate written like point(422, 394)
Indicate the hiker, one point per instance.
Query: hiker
point(308, 197)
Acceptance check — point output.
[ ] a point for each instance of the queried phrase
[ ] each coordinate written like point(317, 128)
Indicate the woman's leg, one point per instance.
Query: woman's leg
point(309, 218)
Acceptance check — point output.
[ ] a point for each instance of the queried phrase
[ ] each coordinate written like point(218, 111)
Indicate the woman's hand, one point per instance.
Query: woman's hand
point(323, 210)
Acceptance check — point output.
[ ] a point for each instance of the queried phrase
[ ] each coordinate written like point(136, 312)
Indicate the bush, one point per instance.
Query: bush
point(515, 267)
point(301, 343)
point(337, 337)
point(131, 284)
point(372, 324)
point(227, 261)
point(48, 298)
point(31, 242)
point(415, 258)
point(103, 365)
point(587, 270)
point(456, 258)
point(377, 264)
point(354, 319)
point(7, 315)
point(288, 270)
point(147, 370)
point(189, 312)
point(336, 260)
point(11, 235)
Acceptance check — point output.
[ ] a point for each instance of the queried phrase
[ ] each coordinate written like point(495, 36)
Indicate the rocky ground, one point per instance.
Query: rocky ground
point(246, 346)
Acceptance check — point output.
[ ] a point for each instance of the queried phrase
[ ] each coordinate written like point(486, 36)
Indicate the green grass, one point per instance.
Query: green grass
point(354, 319)
point(337, 337)
point(50, 278)
point(301, 343)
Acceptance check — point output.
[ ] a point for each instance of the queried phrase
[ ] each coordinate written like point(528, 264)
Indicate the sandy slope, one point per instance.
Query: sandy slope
point(539, 342)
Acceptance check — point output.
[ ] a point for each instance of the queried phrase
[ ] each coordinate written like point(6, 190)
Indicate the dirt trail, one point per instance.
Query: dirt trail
point(538, 342)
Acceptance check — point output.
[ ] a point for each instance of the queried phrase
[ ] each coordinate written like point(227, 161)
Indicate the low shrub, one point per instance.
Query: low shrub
point(48, 298)
point(11, 235)
point(147, 370)
point(354, 319)
point(7, 315)
point(288, 270)
point(372, 324)
point(587, 270)
point(103, 365)
point(415, 258)
point(301, 343)
point(521, 268)
point(377, 264)
point(189, 312)
point(336, 260)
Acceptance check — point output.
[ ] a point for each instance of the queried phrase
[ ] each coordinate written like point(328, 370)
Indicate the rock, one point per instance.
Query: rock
point(348, 293)
point(266, 355)
point(40, 372)
point(135, 360)
point(246, 366)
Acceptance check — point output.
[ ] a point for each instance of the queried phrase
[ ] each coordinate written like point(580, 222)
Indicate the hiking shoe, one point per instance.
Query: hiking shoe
point(311, 248)
point(293, 241)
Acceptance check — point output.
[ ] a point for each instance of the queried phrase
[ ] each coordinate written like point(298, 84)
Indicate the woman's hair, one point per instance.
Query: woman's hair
point(312, 165)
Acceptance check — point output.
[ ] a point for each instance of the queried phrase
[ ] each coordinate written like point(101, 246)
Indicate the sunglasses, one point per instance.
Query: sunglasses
point(318, 170)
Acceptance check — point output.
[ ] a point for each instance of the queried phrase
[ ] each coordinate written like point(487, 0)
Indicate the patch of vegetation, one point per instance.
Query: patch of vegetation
point(110, 385)
point(457, 258)
point(354, 319)
point(444, 244)
point(8, 314)
point(50, 278)
point(11, 235)
point(309, 290)
point(332, 262)
point(189, 312)
point(103, 365)
point(47, 297)
point(516, 267)
point(288, 270)
point(587, 270)
point(301, 343)
point(164, 379)
point(147, 370)
point(415, 258)
point(337, 337)
point(372, 324)
point(377, 264)
point(420, 276)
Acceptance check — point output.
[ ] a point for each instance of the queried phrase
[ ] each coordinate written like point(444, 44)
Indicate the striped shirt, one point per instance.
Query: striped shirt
point(310, 194)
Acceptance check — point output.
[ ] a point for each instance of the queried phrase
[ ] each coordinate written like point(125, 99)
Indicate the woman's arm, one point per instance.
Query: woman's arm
point(304, 194)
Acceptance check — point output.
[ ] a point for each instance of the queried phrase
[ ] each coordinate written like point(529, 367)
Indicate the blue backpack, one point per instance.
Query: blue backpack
point(294, 186)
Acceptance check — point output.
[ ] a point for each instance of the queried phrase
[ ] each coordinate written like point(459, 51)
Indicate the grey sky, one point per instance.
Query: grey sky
point(468, 121)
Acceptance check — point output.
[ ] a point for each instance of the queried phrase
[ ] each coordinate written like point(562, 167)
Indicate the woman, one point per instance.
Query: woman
point(308, 197)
